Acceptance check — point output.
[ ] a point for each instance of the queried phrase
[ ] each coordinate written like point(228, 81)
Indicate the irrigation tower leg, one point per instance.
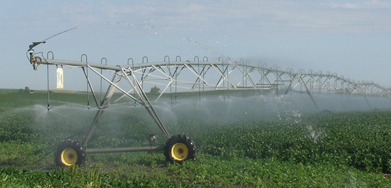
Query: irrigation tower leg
point(309, 93)
point(366, 100)
point(104, 104)
point(306, 89)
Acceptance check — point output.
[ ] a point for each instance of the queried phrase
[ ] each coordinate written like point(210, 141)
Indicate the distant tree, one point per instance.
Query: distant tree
point(27, 89)
point(155, 90)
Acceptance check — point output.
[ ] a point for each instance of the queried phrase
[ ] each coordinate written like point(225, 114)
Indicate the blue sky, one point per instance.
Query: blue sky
point(350, 38)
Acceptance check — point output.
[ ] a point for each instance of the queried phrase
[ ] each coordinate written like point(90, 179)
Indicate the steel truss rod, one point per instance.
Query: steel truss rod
point(129, 149)
point(89, 85)
point(146, 103)
point(191, 68)
point(197, 81)
point(116, 86)
point(223, 77)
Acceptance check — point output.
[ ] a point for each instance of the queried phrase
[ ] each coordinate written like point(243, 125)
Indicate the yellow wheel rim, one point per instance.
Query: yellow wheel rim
point(69, 157)
point(179, 151)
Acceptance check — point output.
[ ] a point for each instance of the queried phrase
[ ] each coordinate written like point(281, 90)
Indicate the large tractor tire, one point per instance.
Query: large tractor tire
point(69, 153)
point(180, 148)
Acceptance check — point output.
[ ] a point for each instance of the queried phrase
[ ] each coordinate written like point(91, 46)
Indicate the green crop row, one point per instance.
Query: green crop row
point(358, 139)
point(208, 171)
point(313, 150)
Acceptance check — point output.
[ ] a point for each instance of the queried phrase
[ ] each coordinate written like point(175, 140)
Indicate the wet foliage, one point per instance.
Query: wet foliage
point(345, 149)
point(356, 139)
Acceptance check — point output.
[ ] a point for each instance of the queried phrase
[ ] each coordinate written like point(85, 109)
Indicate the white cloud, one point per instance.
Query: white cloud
point(346, 5)
point(373, 4)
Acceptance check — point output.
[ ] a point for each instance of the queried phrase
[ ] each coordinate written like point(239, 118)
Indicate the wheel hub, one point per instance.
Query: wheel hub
point(179, 151)
point(69, 157)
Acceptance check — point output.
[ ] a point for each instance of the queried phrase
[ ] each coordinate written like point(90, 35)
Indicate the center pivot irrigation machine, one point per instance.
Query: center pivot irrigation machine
point(195, 76)
point(177, 148)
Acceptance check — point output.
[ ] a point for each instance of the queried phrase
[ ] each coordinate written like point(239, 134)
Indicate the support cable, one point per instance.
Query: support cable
point(48, 81)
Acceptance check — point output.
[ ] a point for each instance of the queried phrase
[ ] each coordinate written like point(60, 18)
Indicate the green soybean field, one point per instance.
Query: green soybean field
point(238, 146)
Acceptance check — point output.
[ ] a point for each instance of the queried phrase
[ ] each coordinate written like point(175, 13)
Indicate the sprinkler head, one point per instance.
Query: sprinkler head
point(152, 139)
point(35, 66)
point(35, 44)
